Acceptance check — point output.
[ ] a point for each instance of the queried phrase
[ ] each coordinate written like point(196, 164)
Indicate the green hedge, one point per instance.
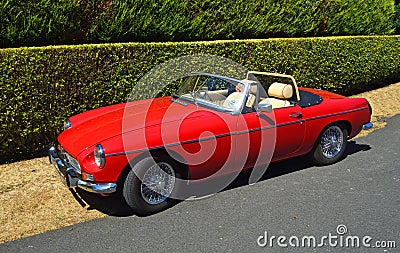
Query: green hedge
point(397, 18)
point(360, 17)
point(41, 87)
point(46, 22)
point(40, 22)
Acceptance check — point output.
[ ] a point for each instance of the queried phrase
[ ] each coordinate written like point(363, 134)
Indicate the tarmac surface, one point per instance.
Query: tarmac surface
point(354, 200)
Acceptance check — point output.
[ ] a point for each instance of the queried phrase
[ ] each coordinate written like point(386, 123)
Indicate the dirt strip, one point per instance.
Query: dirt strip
point(384, 103)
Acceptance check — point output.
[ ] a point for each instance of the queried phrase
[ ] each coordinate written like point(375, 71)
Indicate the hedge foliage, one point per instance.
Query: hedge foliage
point(41, 87)
point(46, 22)
point(397, 18)
point(39, 22)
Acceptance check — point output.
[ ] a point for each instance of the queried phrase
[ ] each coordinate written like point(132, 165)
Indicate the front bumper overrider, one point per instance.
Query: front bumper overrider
point(71, 179)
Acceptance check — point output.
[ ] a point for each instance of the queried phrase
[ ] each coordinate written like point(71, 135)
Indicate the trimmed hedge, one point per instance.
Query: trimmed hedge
point(41, 87)
point(46, 22)
point(397, 18)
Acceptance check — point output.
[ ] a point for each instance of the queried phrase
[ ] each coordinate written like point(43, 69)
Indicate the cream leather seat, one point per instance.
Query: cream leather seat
point(253, 92)
point(250, 100)
point(232, 101)
point(279, 95)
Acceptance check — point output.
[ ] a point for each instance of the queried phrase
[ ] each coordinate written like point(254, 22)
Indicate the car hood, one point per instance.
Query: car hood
point(96, 126)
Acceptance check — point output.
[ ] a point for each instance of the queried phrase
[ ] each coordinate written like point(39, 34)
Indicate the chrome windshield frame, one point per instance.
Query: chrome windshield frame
point(234, 111)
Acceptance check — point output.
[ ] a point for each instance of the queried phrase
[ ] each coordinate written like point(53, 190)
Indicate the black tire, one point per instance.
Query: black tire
point(138, 195)
point(330, 145)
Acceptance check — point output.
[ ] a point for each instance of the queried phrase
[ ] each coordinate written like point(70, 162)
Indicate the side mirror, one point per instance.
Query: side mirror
point(264, 108)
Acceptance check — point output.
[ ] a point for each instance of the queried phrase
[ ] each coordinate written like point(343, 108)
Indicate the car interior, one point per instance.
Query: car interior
point(279, 95)
point(226, 94)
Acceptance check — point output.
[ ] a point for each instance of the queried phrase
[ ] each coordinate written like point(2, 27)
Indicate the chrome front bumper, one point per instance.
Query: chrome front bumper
point(367, 126)
point(71, 179)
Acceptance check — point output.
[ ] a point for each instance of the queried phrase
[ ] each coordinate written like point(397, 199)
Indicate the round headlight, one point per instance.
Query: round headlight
point(67, 124)
point(99, 156)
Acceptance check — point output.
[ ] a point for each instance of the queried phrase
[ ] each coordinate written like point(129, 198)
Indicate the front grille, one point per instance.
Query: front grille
point(69, 160)
point(73, 163)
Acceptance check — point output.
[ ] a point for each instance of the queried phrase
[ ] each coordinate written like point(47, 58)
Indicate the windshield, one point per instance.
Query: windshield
point(212, 91)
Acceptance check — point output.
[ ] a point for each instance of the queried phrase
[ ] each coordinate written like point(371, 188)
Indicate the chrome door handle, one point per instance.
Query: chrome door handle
point(296, 115)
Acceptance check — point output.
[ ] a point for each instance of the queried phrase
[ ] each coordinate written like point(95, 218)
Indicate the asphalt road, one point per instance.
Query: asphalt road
point(294, 199)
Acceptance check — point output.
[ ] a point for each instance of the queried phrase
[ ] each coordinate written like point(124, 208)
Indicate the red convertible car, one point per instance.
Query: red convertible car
point(212, 127)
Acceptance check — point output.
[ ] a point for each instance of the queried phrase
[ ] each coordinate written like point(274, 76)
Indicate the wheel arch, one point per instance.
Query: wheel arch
point(345, 126)
point(159, 152)
point(342, 123)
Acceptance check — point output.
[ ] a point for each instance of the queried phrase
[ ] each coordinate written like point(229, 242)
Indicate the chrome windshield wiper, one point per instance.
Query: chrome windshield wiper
point(176, 100)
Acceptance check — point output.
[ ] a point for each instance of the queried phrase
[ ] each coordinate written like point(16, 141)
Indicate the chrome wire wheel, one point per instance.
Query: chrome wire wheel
point(157, 183)
point(332, 142)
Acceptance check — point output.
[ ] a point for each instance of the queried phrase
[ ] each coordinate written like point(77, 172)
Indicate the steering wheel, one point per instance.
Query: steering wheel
point(205, 94)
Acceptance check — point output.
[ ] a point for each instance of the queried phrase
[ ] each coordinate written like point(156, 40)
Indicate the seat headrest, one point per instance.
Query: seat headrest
point(280, 90)
point(253, 90)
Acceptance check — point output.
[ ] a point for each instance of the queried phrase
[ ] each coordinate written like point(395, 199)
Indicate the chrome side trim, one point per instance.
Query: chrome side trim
point(336, 114)
point(236, 133)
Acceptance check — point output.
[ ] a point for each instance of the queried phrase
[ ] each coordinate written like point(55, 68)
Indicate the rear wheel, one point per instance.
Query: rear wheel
point(150, 184)
point(330, 145)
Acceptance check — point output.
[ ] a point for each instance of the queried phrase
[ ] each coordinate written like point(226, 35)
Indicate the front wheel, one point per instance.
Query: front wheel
point(330, 145)
point(149, 186)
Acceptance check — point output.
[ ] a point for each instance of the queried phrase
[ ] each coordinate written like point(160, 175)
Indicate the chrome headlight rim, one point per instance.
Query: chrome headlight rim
point(67, 124)
point(99, 156)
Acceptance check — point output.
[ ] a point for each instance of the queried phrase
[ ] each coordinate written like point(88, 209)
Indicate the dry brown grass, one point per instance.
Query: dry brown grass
point(34, 200)
point(384, 103)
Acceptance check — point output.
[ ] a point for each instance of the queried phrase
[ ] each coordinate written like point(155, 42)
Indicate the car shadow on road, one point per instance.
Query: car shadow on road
point(115, 205)
point(353, 148)
point(112, 205)
point(292, 165)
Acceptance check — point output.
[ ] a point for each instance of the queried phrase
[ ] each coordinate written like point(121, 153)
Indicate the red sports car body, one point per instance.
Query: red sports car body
point(214, 126)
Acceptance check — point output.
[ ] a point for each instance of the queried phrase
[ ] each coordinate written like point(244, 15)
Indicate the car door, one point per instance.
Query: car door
point(289, 131)
point(269, 136)
point(255, 142)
